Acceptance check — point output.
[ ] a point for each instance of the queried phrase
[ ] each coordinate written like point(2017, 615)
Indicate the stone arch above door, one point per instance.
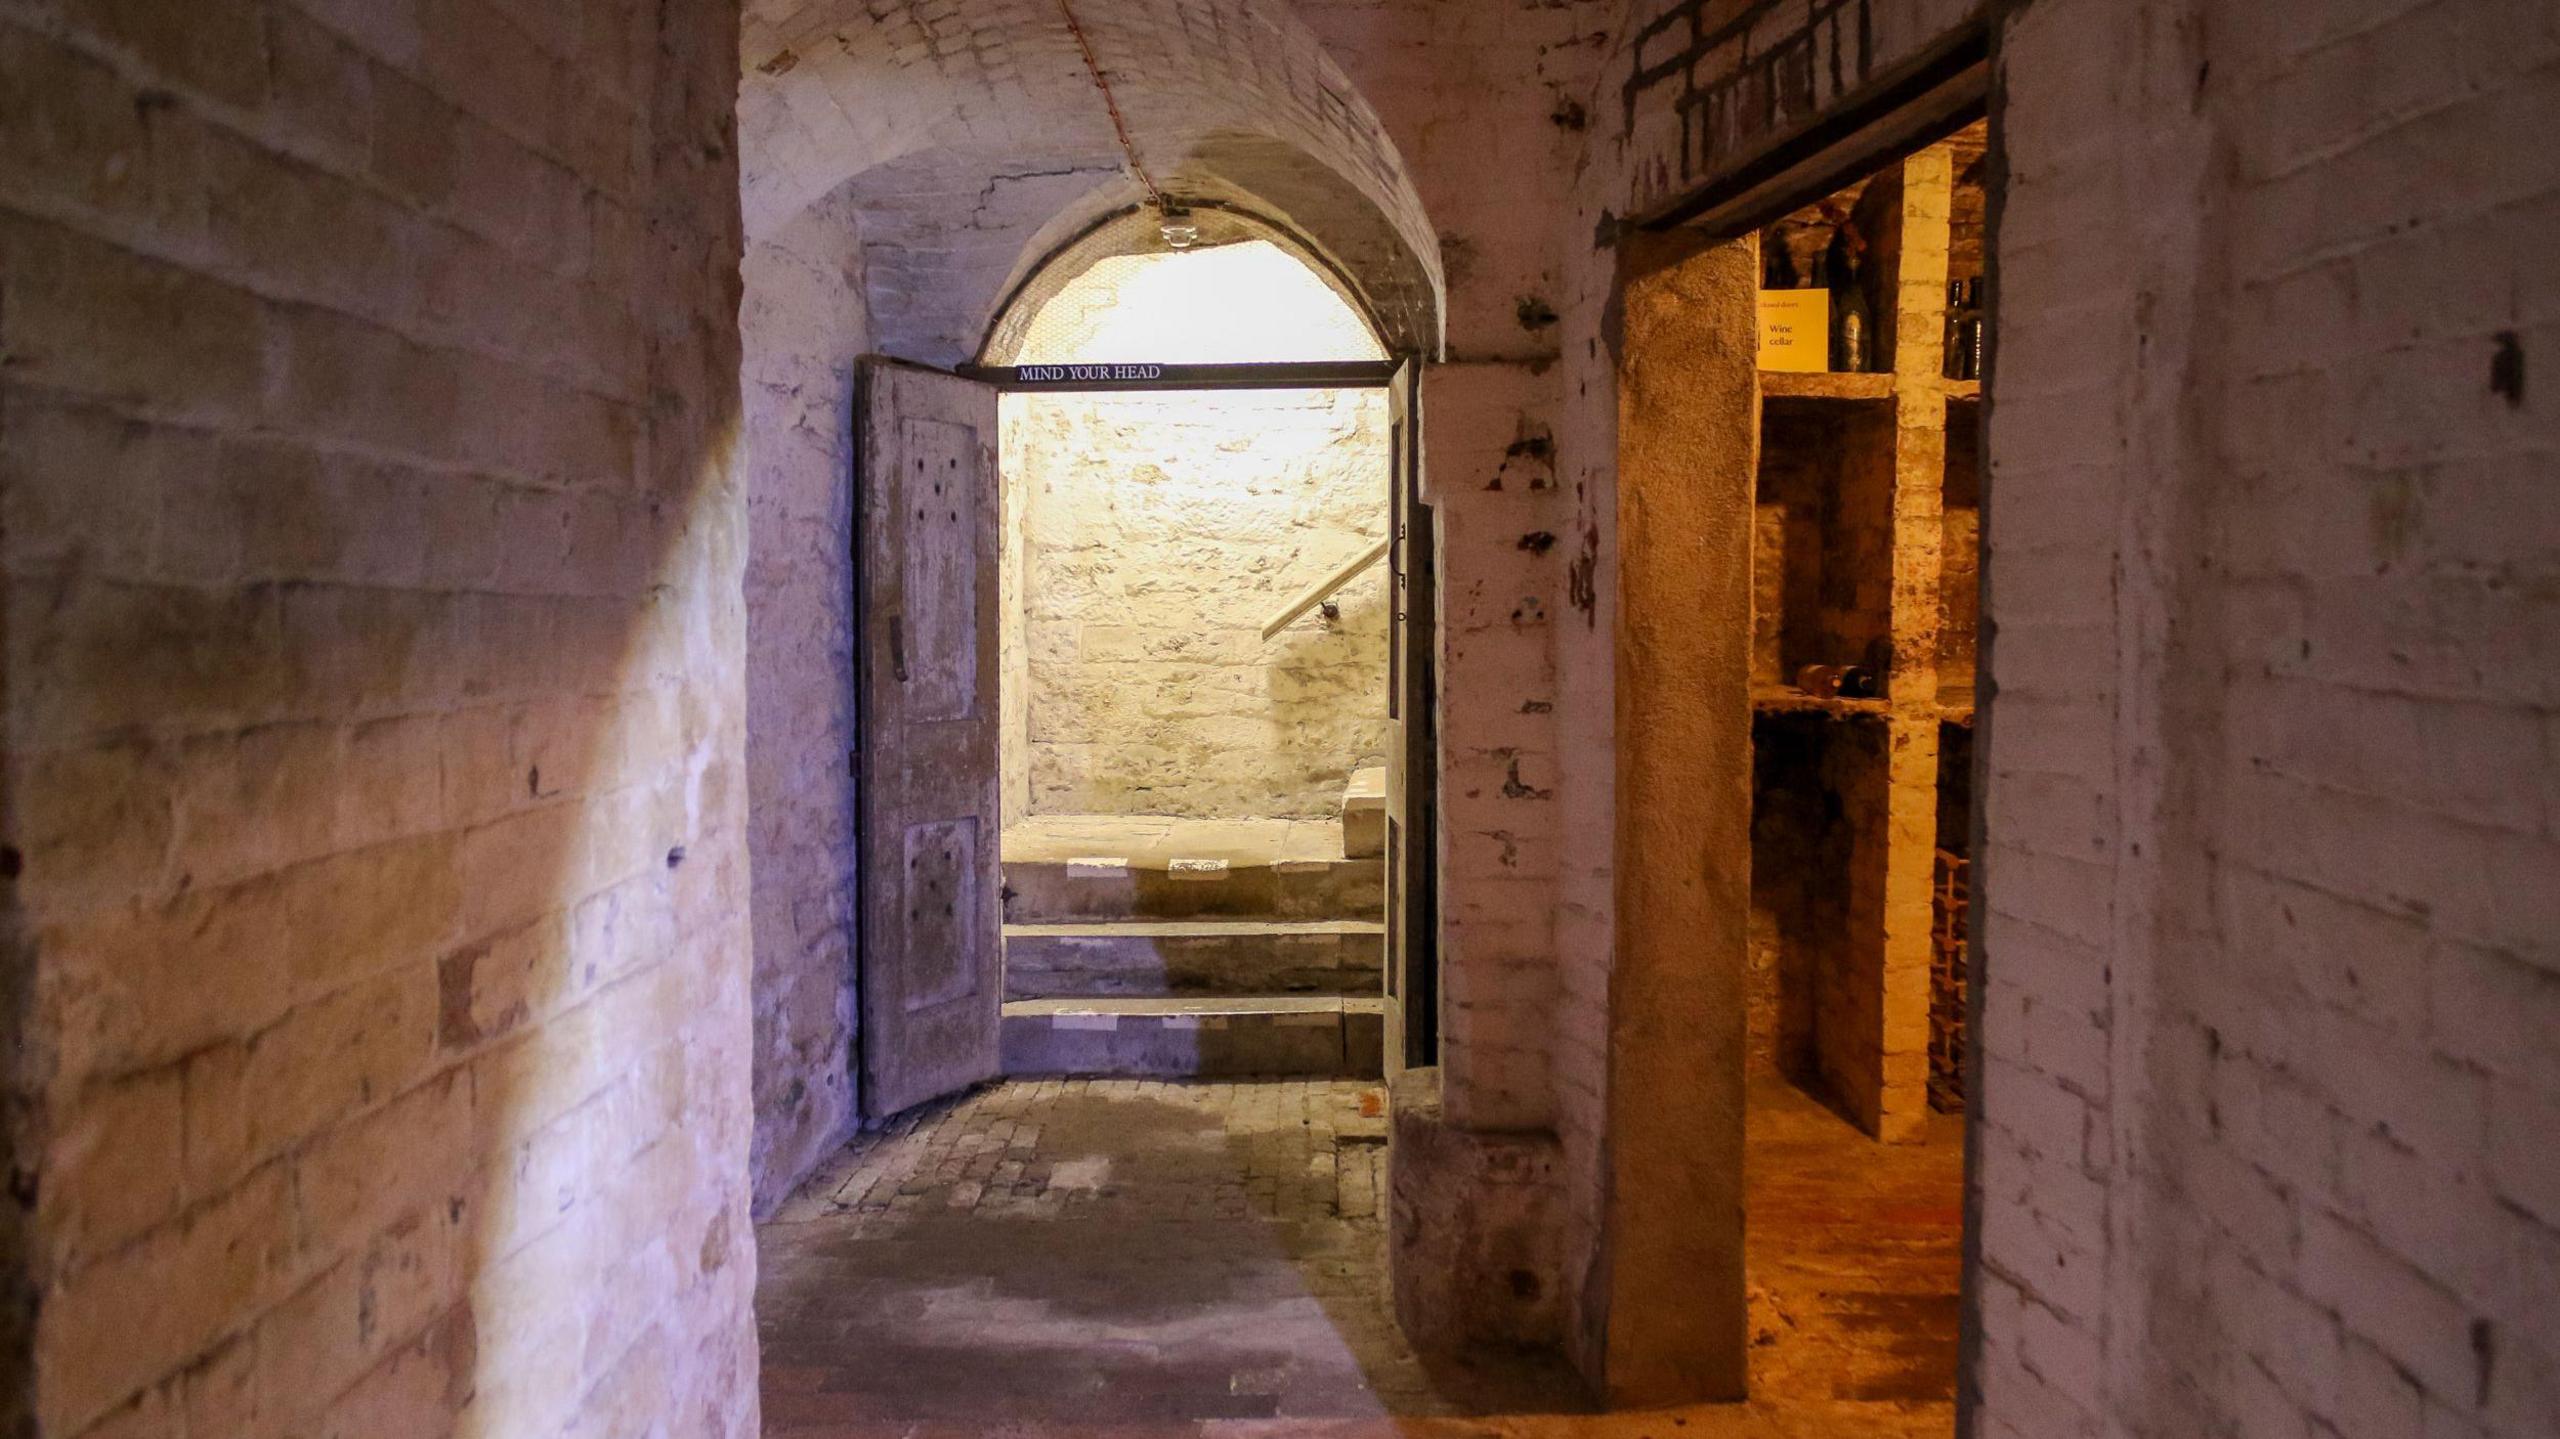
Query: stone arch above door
point(972, 143)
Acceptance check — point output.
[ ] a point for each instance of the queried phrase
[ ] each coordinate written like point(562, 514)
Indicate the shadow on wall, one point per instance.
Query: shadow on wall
point(375, 756)
point(803, 326)
point(1328, 684)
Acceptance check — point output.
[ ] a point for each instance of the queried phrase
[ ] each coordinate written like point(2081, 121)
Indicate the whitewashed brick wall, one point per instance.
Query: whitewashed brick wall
point(1513, 71)
point(2272, 983)
point(373, 745)
point(803, 325)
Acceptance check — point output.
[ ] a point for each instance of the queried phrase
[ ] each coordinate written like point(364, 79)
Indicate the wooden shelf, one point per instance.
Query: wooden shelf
point(1786, 699)
point(1865, 528)
point(1954, 705)
point(1824, 385)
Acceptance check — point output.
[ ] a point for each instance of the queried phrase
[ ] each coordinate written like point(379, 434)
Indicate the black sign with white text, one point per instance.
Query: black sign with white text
point(1127, 375)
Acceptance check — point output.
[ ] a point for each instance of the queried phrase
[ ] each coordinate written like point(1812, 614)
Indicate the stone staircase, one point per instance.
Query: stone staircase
point(1141, 947)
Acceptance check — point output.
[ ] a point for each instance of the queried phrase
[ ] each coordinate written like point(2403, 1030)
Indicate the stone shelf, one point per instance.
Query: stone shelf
point(1955, 705)
point(1865, 527)
point(1784, 699)
point(1824, 385)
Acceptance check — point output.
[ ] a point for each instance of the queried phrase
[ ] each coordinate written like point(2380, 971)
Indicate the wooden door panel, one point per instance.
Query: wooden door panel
point(942, 942)
point(926, 592)
point(939, 566)
point(1413, 761)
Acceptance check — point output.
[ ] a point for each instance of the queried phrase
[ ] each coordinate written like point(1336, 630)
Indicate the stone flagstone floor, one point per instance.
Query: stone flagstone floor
point(1046, 1259)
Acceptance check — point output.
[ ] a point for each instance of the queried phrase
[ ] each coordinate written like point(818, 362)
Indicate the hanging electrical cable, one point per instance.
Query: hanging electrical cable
point(1175, 222)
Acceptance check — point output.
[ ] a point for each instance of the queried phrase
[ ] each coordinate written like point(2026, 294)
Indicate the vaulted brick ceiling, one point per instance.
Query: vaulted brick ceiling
point(972, 141)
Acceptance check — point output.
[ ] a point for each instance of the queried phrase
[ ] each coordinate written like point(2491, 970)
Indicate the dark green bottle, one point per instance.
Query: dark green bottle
point(1852, 328)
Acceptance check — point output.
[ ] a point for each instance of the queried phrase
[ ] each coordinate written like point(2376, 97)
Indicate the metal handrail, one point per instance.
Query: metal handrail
point(1323, 589)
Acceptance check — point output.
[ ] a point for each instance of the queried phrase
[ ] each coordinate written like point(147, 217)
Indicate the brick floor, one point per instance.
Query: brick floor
point(1073, 1259)
point(1298, 1151)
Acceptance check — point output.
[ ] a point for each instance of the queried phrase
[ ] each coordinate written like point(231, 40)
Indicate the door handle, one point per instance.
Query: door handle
point(898, 646)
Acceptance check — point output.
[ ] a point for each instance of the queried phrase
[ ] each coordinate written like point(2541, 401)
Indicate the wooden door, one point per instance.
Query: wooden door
point(926, 557)
point(1413, 754)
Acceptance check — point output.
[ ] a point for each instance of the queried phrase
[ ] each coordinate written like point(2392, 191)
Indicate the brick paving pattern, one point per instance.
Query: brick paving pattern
point(1072, 1259)
point(1302, 1151)
point(1096, 1251)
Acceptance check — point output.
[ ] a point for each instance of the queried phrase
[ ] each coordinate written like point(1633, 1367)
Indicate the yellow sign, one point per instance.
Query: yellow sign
point(1795, 330)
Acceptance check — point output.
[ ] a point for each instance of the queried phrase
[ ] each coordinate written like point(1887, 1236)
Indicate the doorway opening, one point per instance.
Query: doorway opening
point(1814, 493)
point(1197, 639)
point(1865, 528)
point(1189, 593)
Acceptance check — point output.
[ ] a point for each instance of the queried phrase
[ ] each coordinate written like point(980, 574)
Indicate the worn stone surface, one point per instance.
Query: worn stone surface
point(1214, 956)
point(374, 531)
point(1473, 1238)
point(1364, 814)
point(1116, 1257)
point(1669, 1320)
point(1854, 1253)
point(1100, 1253)
point(802, 326)
point(1066, 868)
point(1206, 1036)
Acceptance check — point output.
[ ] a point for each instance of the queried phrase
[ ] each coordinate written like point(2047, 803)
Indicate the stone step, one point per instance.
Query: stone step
point(1103, 887)
point(1306, 1035)
point(1364, 813)
point(1165, 958)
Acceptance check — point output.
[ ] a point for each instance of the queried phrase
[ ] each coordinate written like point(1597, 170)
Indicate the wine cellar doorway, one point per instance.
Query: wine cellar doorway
point(1799, 540)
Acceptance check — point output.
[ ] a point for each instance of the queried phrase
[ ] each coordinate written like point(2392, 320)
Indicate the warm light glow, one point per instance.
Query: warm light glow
point(1227, 304)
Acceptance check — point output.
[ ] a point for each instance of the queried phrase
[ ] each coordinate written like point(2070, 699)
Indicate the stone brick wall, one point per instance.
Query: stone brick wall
point(373, 543)
point(1159, 536)
point(1515, 70)
point(803, 324)
point(2268, 1099)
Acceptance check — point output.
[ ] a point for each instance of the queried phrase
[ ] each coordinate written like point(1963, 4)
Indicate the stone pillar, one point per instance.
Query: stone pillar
point(1879, 1069)
point(1688, 453)
point(1474, 1240)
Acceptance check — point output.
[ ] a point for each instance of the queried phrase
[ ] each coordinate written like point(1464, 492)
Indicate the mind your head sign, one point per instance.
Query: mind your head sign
point(1147, 375)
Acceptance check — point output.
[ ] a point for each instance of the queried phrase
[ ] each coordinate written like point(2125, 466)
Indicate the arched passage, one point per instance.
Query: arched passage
point(989, 198)
point(905, 175)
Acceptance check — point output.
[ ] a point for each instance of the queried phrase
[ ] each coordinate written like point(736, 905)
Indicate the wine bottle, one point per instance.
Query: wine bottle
point(1777, 262)
point(1971, 342)
point(1953, 367)
point(1851, 347)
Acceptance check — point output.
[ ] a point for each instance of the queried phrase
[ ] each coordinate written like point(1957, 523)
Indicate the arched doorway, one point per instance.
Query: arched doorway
point(1200, 490)
point(907, 234)
point(1198, 631)
point(935, 242)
